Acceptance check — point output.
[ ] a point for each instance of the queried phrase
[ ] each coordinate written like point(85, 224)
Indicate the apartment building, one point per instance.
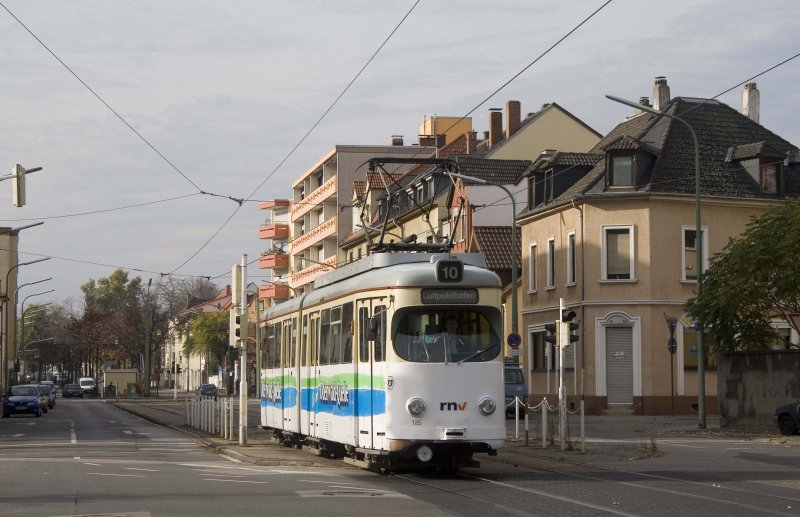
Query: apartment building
point(612, 233)
point(320, 216)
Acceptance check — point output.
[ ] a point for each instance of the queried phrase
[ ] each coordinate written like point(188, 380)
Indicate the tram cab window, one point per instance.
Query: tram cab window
point(426, 335)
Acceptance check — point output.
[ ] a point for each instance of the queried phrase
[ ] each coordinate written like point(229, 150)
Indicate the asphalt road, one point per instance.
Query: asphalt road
point(87, 457)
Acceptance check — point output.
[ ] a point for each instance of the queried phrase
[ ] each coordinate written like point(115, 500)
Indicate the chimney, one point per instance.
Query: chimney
point(751, 102)
point(397, 140)
point(660, 93)
point(495, 126)
point(644, 101)
point(427, 140)
point(513, 111)
point(472, 141)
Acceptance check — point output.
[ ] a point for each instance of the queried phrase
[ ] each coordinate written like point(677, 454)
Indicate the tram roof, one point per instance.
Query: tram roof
point(353, 276)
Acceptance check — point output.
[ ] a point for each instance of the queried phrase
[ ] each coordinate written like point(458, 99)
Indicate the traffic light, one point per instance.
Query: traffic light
point(238, 326)
point(568, 327)
point(18, 185)
point(552, 332)
point(178, 369)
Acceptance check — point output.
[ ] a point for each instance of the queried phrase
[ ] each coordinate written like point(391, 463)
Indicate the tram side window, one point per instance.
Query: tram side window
point(326, 346)
point(304, 343)
point(336, 335)
point(380, 343)
point(363, 330)
point(293, 344)
point(269, 346)
point(347, 339)
point(276, 355)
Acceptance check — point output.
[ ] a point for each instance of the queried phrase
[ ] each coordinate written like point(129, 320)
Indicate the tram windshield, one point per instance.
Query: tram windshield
point(424, 335)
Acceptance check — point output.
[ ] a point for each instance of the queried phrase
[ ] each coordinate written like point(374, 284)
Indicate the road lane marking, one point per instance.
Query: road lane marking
point(114, 475)
point(238, 481)
point(145, 470)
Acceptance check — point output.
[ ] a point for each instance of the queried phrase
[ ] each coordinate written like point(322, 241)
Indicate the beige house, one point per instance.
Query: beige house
point(612, 233)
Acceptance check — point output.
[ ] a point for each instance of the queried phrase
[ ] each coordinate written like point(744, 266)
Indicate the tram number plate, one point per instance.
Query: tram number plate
point(449, 271)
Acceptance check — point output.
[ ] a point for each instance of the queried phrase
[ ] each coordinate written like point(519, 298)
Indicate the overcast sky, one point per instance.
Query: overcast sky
point(225, 90)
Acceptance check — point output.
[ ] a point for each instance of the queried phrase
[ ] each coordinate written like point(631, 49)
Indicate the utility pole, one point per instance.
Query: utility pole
point(243, 357)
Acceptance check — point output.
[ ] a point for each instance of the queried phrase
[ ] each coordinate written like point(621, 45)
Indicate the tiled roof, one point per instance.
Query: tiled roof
point(495, 244)
point(741, 152)
point(504, 172)
point(359, 188)
point(718, 128)
point(568, 160)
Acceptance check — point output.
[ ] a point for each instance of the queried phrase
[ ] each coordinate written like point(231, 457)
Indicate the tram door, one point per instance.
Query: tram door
point(291, 409)
point(370, 384)
point(309, 376)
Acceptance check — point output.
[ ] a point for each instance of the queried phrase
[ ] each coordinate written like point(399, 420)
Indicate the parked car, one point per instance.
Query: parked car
point(51, 384)
point(50, 391)
point(88, 385)
point(787, 417)
point(515, 388)
point(21, 399)
point(72, 390)
point(207, 390)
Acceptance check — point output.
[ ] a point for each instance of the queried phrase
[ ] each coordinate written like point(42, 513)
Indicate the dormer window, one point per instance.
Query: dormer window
point(620, 170)
point(770, 178)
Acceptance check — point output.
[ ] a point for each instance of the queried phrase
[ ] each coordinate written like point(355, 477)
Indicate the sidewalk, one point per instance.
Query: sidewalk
point(609, 438)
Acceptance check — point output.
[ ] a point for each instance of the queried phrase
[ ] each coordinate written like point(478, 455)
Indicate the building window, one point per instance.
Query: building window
point(541, 351)
point(690, 252)
point(551, 262)
point(769, 178)
point(532, 268)
point(548, 186)
point(420, 194)
point(618, 256)
point(620, 170)
point(531, 191)
point(571, 258)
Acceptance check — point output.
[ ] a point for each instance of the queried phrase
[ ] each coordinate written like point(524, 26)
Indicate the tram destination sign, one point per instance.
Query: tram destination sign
point(451, 296)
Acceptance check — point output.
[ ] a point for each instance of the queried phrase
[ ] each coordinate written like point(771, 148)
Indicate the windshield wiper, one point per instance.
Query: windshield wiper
point(477, 353)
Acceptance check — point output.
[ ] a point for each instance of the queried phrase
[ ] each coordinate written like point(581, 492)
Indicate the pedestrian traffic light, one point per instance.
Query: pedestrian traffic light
point(552, 332)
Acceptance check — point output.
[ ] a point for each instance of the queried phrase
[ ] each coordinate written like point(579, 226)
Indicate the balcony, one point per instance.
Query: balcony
point(315, 198)
point(314, 235)
point(273, 231)
point(276, 261)
point(307, 275)
point(274, 291)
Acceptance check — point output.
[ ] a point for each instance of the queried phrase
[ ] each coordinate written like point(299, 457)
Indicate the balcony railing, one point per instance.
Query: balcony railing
point(273, 231)
point(274, 291)
point(277, 261)
point(315, 198)
point(314, 235)
point(307, 275)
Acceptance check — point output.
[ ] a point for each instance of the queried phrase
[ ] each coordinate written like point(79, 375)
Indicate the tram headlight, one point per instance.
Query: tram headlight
point(487, 405)
point(416, 406)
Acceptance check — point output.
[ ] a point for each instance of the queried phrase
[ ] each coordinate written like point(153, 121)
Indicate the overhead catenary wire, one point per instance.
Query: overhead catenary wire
point(307, 134)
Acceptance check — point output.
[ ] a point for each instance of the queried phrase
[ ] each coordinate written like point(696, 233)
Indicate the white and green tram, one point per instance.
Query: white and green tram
point(391, 361)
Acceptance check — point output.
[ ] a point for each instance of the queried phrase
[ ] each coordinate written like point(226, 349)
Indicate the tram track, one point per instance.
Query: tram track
point(635, 491)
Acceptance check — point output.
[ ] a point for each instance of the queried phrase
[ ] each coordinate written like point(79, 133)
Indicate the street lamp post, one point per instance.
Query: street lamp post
point(23, 310)
point(701, 357)
point(10, 320)
point(514, 250)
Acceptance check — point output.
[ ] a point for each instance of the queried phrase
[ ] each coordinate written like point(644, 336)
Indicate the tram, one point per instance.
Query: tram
point(390, 362)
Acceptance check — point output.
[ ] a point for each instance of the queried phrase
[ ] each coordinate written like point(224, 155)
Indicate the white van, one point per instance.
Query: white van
point(88, 385)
